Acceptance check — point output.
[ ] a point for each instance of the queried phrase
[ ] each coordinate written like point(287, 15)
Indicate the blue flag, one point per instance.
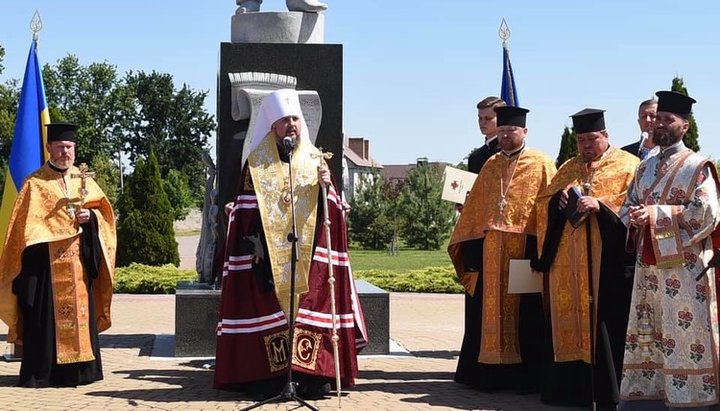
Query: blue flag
point(508, 92)
point(27, 152)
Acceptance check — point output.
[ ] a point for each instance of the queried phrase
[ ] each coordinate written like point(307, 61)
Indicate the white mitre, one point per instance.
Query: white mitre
point(276, 105)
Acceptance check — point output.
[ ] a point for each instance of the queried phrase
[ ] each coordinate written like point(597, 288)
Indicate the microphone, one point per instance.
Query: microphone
point(289, 143)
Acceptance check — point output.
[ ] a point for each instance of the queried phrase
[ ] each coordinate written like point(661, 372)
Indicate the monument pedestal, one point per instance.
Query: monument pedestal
point(196, 318)
point(375, 303)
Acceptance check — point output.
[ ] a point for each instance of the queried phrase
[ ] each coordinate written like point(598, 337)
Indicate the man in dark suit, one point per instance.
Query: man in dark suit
point(487, 121)
point(646, 119)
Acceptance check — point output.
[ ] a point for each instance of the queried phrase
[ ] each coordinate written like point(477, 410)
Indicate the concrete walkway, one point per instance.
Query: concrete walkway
point(140, 374)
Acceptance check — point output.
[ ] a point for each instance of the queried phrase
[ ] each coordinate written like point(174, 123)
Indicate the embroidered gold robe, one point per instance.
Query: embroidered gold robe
point(609, 179)
point(40, 216)
point(252, 344)
point(504, 233)
point(564, 257)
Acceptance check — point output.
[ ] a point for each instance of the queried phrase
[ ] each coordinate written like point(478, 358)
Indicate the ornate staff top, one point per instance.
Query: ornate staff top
point(504, 32)
point(36, 25)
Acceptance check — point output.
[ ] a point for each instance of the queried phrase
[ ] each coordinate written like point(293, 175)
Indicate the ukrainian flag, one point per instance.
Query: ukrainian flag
point(27, 153)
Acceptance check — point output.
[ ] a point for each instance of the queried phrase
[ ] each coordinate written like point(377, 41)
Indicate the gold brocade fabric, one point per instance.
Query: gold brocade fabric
point(271, 181)
point(499, 342)
point(609, 178)
point(40, 215)
point(481, 212)
point(505, 232)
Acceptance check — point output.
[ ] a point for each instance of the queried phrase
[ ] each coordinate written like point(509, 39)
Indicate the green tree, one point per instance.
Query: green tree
point(145, 229)
point(369, 224)
point(692, 137)
point(9, 95)
point(427, 218)
point(87, 96)
point(171, 123)
point(178, 191)
point(568, 146)
point(138, 114)
point(107, 176)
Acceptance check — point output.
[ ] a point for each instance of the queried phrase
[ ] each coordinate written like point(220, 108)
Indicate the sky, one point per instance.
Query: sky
point(414, 70)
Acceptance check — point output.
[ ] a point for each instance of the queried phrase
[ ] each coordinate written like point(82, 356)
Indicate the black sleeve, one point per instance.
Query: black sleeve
point(472, 255)
point(91, 249)
point(613, 232)
point(531, 250)
point(261, 260)
point(35, 260)
point(556, 224)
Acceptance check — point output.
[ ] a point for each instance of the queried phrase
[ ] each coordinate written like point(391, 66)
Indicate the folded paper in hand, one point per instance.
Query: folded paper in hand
point(522, 280)
point(457, 184)
point(573, 215)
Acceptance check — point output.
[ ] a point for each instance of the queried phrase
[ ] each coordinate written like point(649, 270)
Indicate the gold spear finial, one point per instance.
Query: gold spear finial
point(504, 32)
point(36, 25)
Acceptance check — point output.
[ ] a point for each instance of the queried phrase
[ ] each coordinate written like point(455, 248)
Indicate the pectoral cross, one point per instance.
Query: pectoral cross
point(84, 174)
point(502, 204)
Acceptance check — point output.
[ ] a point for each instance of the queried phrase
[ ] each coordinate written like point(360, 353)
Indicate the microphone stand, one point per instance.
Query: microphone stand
point(289, 392)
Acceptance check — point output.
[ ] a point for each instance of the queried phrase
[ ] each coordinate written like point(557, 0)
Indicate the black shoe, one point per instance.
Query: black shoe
point(313, 391)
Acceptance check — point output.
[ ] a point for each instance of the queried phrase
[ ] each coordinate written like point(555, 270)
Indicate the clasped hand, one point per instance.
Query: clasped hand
point(639, 215)
point(584, 204)
point(82, 216)
point(324, 175)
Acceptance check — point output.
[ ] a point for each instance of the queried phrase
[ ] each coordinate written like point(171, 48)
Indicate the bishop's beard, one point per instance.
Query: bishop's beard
point(666, 137)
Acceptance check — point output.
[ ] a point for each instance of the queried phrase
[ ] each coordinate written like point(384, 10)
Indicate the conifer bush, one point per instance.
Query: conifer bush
point(145, 228)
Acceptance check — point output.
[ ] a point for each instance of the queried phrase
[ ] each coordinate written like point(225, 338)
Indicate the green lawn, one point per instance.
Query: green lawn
point(410, 270)
point(404, 261)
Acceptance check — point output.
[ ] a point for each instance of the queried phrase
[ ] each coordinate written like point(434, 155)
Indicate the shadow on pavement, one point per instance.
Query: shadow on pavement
point(442, 355)
point(183, 385)
point(438, 389)
point(143, 342)
point(8, 380)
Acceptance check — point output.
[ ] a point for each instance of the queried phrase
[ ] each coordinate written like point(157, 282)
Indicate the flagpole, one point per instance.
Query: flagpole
point(507, 89)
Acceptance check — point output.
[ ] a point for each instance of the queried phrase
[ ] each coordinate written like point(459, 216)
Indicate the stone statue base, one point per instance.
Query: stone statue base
point(197, 305)
point(278, 27)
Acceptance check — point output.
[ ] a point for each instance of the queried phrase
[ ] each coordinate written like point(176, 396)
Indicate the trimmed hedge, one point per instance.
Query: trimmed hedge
point(144, 279)
point(427, 280)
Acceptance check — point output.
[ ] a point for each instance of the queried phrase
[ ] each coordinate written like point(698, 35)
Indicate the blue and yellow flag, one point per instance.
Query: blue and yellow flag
point(508, 92)
point(27, 153)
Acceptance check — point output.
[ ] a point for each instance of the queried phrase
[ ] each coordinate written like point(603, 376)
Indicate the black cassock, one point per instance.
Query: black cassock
point(524, 377)
point(568, 383)
point(468, 368)
point(33, 288)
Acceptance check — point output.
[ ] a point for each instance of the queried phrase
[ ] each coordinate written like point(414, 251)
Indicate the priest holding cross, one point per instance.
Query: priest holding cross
point(57, 268)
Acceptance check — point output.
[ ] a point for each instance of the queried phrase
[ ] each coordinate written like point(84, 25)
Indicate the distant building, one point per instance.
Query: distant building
point(357, 164)
point(397, 173)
